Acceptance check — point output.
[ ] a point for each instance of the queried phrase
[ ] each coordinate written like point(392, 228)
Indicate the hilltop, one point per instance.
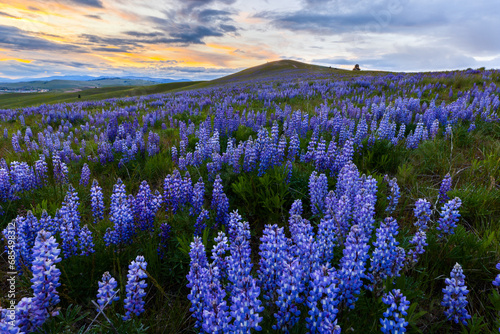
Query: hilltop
point(103, 89)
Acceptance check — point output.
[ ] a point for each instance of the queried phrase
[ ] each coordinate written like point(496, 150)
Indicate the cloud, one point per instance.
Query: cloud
point(208, 15)
point(191, 4)
point(17, 39)
point(8, 15)
point(97, 17)
point(409, 58)
point(142, 34)
point(110, 50)
point(88, 3)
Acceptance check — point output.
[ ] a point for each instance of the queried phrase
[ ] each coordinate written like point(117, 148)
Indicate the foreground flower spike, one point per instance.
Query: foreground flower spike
point(322, 302)
point(449, 217)
point(245, 292)
point(394, 195)
point(107, 294)
point(134, 303)
point(60, 169)
point(220, 203)
point(86, 243)
point(6, 324)
point(454, 299)
point(419, 240)
point(121, 216)
point(445, 187)
point(290, 288)
point(318, 189)
point(352, 266)
point(197, 279)
point(422, 212)
point(97, 201)
point(197, 199)
point(200, 225)
point(69, 221)
point(32, 312)
point(394, 321)
point(273, 251)
point(387, 258)
point(84, 179)
point(145, 207)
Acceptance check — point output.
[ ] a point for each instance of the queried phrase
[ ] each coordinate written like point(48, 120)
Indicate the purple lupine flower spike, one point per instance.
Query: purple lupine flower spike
point(394, 321)
point(455, 299)
point(134, 302)
point(107, 293)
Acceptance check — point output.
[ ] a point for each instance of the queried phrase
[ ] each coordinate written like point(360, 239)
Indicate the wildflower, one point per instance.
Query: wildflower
point(106, 294)
point(84, 180)
point(445, 187)
point(97, 201)
point(394, 321)
point(134, 303)
point(449, 217)
point(455, 299)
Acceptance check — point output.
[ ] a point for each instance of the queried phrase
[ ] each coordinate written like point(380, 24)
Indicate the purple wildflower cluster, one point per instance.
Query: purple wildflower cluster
point(121, 216)
point(32, 312)
point(212, 311)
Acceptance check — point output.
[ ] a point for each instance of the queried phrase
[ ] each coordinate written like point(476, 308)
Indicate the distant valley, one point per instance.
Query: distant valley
point(75, 83)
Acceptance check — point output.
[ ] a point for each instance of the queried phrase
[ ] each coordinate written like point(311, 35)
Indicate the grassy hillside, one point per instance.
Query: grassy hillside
point(65, 85)
point(270, 71)
point(356, 151)
point(32, 99)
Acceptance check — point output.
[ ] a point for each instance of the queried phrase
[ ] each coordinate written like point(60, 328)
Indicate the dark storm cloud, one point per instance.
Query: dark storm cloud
point(17, 39)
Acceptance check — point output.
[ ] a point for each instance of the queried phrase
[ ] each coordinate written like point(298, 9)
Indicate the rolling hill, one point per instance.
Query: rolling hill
point(264, 72)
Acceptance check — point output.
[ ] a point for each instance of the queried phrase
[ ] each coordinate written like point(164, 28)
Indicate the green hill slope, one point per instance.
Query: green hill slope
point(17, 100)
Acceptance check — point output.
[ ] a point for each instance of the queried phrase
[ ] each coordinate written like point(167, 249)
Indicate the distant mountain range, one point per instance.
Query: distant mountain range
point(75, 83)
point(90, 78)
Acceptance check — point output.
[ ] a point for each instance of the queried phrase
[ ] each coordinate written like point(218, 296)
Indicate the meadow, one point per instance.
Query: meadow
point(286, 198)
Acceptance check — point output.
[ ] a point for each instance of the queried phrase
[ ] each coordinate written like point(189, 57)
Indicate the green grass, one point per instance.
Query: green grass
point(20, 100)
point(472, 158)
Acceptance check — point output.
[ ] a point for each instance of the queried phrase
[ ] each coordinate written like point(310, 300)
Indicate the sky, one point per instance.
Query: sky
point(206, 39)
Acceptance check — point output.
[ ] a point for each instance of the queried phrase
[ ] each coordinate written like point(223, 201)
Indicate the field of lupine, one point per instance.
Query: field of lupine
point(320, 202)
